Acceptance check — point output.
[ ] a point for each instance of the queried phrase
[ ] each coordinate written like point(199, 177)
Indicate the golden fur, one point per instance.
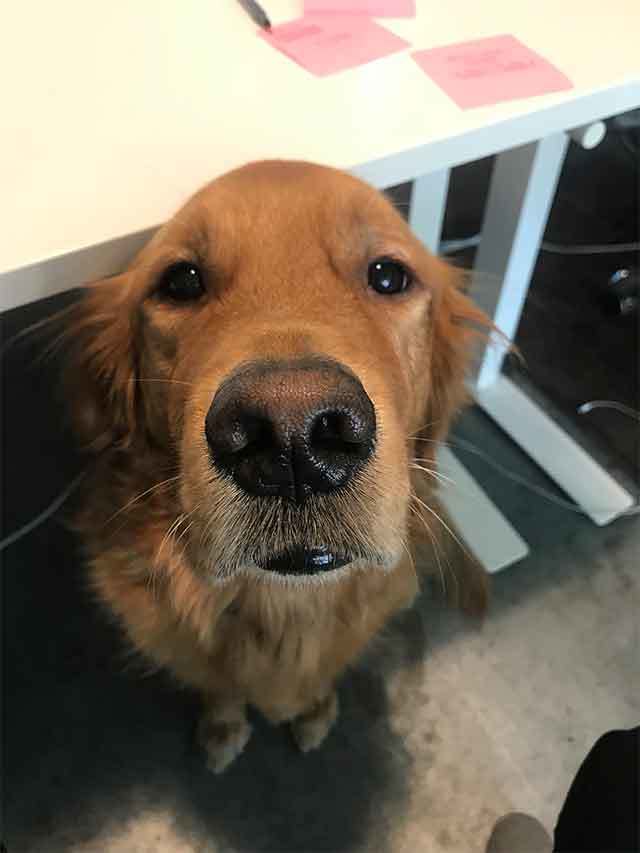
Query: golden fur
point(286, 246)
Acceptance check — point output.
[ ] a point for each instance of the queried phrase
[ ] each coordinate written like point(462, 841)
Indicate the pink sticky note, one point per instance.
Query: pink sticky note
point(490, 70)
point(374, 8)
point(324, 44)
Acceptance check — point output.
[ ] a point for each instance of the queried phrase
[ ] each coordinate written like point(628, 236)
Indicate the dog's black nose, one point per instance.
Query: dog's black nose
point(291, 429)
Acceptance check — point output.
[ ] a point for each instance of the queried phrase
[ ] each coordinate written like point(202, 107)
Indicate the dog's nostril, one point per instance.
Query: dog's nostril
point(237, 438)
point(326, 433)
point(338, 432)
point(252, 435)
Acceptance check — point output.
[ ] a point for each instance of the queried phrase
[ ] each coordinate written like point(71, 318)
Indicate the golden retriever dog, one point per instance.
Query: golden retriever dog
point(255, 390)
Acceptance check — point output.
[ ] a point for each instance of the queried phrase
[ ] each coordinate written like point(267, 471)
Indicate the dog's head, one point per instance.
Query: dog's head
point(283, 340)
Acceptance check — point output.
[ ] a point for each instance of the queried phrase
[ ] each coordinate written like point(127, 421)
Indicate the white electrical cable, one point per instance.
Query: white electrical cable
point(587, 249)
point(585, 408)
point(522, 481)
point(450, 247)
point(53, 507)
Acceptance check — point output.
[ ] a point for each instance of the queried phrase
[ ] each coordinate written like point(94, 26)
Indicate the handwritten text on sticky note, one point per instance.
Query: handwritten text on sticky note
point(325, 44)
point(488, 71)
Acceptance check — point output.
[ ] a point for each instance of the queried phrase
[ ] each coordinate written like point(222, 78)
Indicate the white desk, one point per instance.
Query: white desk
point(113, 113)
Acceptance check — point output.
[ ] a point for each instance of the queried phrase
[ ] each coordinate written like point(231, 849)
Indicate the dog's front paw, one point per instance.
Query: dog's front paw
point(222, 740)
point(310, 729)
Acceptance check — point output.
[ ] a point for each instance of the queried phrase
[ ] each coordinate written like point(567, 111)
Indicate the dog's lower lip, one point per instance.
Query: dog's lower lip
point(305, 561)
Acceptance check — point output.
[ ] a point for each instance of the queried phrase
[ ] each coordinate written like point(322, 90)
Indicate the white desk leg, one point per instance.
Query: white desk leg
point(587, 483)
point(522, 189)
point(485, 530)
point(521, 193)
point(482, 526)
point(428, 204)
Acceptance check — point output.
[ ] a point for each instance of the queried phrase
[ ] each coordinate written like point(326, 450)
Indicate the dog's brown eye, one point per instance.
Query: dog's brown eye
point(387, 276)
point(181, 283)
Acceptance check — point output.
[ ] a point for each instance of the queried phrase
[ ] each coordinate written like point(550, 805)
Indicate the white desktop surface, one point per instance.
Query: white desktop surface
point(114, 113)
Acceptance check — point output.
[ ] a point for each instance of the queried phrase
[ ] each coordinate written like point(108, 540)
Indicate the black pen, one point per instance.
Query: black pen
point(257, 13)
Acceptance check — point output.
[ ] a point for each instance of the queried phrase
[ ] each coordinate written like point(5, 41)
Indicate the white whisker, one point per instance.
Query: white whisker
point(416, 437)
point(142, 495)
point(437, 475)
point(175, 524)
point(445, 525)
point(436, 547)
point(411, 560)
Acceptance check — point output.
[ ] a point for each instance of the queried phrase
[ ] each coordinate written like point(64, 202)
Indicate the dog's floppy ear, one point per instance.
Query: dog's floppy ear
point(457, 325)
point(99, 378)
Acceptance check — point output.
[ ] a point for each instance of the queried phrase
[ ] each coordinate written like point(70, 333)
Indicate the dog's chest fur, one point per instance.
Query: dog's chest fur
point(275, 644)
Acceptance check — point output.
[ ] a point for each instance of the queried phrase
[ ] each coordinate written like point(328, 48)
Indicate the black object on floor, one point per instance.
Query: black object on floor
point(602, 809)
